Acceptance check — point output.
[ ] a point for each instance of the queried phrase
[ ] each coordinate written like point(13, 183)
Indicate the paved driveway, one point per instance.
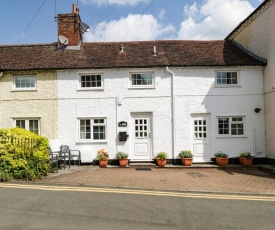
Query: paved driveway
point(229, 180)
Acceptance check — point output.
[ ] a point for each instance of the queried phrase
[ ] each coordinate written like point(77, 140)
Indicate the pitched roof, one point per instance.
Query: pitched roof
point(136, 54)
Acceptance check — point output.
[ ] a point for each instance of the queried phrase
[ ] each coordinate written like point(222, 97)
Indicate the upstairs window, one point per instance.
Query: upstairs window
point(142, 80)
point(226, 78)
point(24, 82)
point(231, 126)
point(91, 81)
point(28, 124)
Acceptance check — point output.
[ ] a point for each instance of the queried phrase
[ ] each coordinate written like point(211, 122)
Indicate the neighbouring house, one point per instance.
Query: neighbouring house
point(138, 97)
point(256, 34)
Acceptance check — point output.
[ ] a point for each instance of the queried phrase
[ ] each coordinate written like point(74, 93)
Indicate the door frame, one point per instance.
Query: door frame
point(208, 130)
point(132, 135)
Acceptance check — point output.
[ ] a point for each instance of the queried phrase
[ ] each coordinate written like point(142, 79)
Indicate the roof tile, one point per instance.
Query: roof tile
point(136, 54)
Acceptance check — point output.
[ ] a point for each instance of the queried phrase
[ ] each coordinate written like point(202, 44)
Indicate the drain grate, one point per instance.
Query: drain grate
point(195, 174)
point(146, 169)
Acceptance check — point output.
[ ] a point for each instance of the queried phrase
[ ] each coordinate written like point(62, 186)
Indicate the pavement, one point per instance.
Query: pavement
point(208, 178)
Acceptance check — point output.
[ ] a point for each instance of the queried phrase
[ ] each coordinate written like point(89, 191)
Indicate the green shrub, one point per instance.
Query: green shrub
point(220, 154)
point(23, 155)
point(246, 155)
point(162, 155)
point(121, 155)
point(186, 154)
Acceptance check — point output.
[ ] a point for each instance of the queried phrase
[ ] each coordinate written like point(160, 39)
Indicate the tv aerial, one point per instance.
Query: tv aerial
point(63, 40)
point(84, 27)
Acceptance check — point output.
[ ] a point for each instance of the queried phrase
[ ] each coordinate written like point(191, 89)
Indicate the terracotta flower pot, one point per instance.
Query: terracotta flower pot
point(222, 161)
point(161, 162)
point(245, 161)
point(103, 163)
point(187, 161)
point(123, 162)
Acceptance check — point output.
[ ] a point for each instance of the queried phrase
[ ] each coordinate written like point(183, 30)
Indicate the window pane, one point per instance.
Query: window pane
point(93, 81)
point(99, 132)
point(237, 119)
point(20, 124)
point(85, 129)
point(227, 78)
point(223, 124)
point(25, 82)
point(237, 129)
point(142, 79)
point(33, 126)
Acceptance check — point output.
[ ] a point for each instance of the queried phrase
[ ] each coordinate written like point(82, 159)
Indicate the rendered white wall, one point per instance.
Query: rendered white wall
point(195, 93)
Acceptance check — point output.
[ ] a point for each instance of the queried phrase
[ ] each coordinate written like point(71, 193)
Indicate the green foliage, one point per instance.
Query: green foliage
point(162, 155)
point(220, 154)
point(185, 154)
point(246, 155)
point(121, 155)
point(23, 155)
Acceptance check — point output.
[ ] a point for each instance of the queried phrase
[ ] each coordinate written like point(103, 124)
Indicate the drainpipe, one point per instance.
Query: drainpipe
point(172, 112)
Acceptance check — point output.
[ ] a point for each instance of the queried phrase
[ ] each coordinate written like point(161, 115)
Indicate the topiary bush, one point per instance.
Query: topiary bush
point(23, 155)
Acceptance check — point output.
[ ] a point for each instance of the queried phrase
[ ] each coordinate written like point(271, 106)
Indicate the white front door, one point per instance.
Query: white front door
point(201, 138)
point(141, 133)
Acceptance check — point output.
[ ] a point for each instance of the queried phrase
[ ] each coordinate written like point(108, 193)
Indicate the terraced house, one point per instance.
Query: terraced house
point(137, 97)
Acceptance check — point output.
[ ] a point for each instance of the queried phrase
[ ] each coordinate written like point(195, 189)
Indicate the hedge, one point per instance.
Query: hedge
point(23, 155)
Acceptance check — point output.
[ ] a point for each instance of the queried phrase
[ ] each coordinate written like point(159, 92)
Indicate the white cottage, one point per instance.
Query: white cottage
point(150, 96)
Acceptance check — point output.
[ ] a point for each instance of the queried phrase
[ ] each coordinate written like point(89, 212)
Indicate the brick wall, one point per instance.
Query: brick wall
point(69, 26)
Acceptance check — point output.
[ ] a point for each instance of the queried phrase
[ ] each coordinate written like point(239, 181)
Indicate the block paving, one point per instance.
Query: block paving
point(217, 179)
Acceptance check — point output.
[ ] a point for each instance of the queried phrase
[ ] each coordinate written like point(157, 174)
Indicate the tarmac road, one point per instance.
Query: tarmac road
point(44, 207)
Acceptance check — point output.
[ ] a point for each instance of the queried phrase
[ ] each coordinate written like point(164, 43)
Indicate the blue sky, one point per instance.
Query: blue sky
point(32, 21)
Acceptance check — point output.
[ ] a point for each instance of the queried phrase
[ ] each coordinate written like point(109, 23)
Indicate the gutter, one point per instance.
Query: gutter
point(172, 112)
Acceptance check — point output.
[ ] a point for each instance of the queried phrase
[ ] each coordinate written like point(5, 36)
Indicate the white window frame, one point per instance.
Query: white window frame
point(27, 123)
point(91, 87)
point(227, 85)
point(231, 122)
point(92, 124)
point(141, 86)
point(24, 88)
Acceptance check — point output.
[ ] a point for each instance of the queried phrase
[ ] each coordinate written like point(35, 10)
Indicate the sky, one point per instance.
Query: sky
point(33, 21)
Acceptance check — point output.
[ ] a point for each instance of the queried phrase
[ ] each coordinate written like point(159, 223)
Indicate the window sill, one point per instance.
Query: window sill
point(24, 90)
point(91, 89)
point(90, 141)
point(151, 87)
point(227, 137)
point(227, 86)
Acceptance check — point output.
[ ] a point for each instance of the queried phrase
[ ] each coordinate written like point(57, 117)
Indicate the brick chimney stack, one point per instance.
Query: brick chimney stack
point(69, 26)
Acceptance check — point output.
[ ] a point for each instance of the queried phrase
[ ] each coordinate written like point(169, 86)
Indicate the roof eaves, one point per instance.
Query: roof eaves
point(261, 59)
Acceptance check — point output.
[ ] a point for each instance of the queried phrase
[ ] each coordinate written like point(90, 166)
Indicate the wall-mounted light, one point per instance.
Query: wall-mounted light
point(257, 110)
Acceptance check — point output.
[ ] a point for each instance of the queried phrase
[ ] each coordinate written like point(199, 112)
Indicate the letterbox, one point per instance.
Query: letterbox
point(123, 136)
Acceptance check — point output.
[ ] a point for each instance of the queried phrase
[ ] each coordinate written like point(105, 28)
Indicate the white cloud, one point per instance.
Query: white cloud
point(131, 28)
point(162, 14)
point(113, 2)
point(214, 19)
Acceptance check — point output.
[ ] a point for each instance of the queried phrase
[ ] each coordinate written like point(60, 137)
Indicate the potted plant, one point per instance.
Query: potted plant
point(221, 159)
point(123, 159)
point(102, 156)
point(246, 159)
point(161, 158)
point(186, 157)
